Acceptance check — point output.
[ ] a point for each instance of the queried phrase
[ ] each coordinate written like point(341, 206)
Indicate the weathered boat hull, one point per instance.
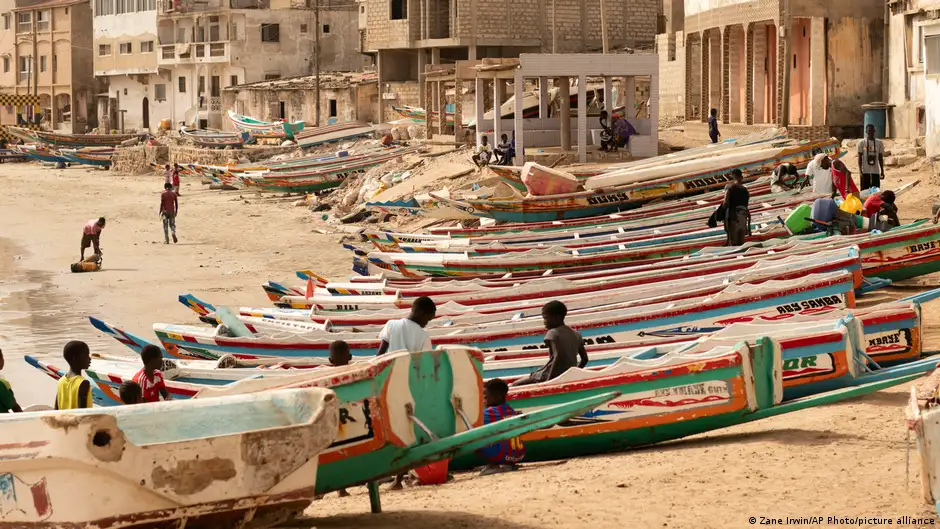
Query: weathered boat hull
point(208, 465)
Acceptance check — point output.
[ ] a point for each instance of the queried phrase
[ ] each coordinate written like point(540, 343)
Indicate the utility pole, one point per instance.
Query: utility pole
point(316, 57)
point(604, 25)
point(554, 26)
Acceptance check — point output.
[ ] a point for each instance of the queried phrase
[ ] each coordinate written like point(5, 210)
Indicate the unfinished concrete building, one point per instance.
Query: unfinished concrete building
point(804, 64)
point(913, 45)
point(407, 35)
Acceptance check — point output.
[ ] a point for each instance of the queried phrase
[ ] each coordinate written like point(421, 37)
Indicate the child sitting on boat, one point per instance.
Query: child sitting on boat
point(130, 393)
point(73, 391)
point(565, 346)
point(150, 379)
point(504, 455)
point(7, 399)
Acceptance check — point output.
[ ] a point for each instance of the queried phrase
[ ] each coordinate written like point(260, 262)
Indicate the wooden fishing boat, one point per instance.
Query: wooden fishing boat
point(608, 324)
point(419, 115)
point(333, 133)
point(58, 139)
point(256, 127)
point(598, 201)
point(923, 418)
point(213, 139)
point(11, 155)
point(660, 402)
point(95, 159)
point(208, 465)
point(40, 153)
point(902, 253)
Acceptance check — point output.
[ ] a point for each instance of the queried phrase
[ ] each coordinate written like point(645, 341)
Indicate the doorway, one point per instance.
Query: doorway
point(145, 112)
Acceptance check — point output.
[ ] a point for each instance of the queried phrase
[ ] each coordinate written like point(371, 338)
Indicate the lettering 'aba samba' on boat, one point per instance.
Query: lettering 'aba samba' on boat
point(818, 303)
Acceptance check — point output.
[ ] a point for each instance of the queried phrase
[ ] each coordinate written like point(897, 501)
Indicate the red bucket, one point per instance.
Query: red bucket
point(433, 474)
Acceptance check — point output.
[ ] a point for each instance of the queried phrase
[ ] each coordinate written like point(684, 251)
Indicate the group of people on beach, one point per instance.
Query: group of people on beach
point(830, 178)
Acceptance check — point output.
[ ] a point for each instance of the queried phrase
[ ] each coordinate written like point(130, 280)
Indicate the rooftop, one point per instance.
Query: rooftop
point(328, 80)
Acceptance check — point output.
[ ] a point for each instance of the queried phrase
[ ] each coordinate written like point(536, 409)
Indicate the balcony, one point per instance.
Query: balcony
point(193, 53)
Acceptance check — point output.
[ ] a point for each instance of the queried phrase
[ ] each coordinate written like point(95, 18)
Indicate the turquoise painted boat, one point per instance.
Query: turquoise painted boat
point(260, 128)
point(658, 403)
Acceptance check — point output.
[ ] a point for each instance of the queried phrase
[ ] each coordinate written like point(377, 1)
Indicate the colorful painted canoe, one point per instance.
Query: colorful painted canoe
point(209, 464)
point(606, 200)
point(40, 153)
point(59, 139)
point(257, 127)
point(607, 324)
point(314, 137)
point(94, 159)
point(741, 384)
point(923, 418)
point(213, 139)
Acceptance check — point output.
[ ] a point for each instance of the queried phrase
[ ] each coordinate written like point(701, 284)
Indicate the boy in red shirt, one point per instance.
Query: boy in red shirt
point(150, 379)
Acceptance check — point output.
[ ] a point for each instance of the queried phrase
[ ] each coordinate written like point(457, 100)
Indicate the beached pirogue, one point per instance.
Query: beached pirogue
point(246, 461)
point(398, 411)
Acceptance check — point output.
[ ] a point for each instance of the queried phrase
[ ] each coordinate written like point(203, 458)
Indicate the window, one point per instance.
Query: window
point(6, 21)
point(124, 48)
point(24, 22)
point(159, 92)
point(55, 63)
point(932, 54)
point(215, 86)
point(399, 10)
point(42, 63)
point(6, 65)
point(104, 7)
point(326, 28)
point(146, 47)
point(104, 50)
point(43, 20)
point(332, 108)
point(271, 76)
point(182, 85)
point(202, 84)
point(303, 28)
point(24, 68)
point(233, 34)
point(270, 33)
point(362, 9)
point(233, 80)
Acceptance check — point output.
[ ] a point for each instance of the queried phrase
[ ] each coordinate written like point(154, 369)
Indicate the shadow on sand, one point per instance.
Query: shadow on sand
point(410, 519)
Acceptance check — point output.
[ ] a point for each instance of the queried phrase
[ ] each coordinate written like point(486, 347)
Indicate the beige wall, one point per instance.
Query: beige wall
point(352, 104)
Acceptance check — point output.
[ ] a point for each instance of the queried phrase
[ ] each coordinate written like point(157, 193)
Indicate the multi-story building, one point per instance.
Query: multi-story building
point(804, 64)
point(204, 46)
point(125, 33)
point(406, 35)
point(913, 44)
point(45, 49)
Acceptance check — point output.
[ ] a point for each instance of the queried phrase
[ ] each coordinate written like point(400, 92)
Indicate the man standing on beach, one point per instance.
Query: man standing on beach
point(871, 160)
point(91, 234)
point(169, 205)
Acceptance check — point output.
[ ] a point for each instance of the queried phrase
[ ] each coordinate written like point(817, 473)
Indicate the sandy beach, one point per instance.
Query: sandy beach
point(845, 460)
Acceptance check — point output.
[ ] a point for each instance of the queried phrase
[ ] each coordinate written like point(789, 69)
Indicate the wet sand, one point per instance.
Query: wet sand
point(841, 460)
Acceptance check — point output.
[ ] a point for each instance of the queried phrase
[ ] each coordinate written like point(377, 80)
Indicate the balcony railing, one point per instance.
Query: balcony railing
point(194, 52)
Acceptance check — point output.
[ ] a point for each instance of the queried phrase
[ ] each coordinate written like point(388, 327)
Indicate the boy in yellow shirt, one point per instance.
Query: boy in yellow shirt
point(74, 392)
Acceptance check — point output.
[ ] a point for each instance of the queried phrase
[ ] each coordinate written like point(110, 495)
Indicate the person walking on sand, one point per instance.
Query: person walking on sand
point(167, 174)
point(713, 133)
point(91, 235)
point(176, 179)
point(169, 205)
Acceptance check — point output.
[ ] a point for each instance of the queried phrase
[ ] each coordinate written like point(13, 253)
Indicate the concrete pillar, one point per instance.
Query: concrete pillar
point(758, 56)
point(782, 88)
point(428, 102)
point(458, 109)
point(817, 71)
point(564, 98)
point(629, 96)
point(519, 127)
point(478, 100)
point(472, 53)
point(422, 88)
point(497, 102)
point(725, 111)
point(688, 76)
point(582, 119)
point(609, 95)
point(544, 97)
point(706, 82)
point(441, 106)
point(736, 76)
point(380, 79)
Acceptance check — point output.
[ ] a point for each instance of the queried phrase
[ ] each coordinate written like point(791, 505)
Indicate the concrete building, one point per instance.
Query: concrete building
point(344, 96)
point(407, 35)
point(804, 64)
point(133, 95)
point(912, 43)
point(45, 49)
point(207, 45)
point(914, 71)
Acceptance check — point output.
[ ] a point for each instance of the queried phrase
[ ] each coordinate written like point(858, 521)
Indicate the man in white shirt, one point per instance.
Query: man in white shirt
point(820, 170)
point(871, 159)
point(408, 334)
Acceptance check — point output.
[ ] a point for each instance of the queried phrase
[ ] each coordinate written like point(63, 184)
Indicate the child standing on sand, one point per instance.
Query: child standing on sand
point(150, 379)
point(73, 391)
point(7, 400)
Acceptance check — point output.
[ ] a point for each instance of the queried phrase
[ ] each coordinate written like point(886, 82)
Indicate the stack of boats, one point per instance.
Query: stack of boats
point(84, 149)
point(684, 335)
point(299, 175)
